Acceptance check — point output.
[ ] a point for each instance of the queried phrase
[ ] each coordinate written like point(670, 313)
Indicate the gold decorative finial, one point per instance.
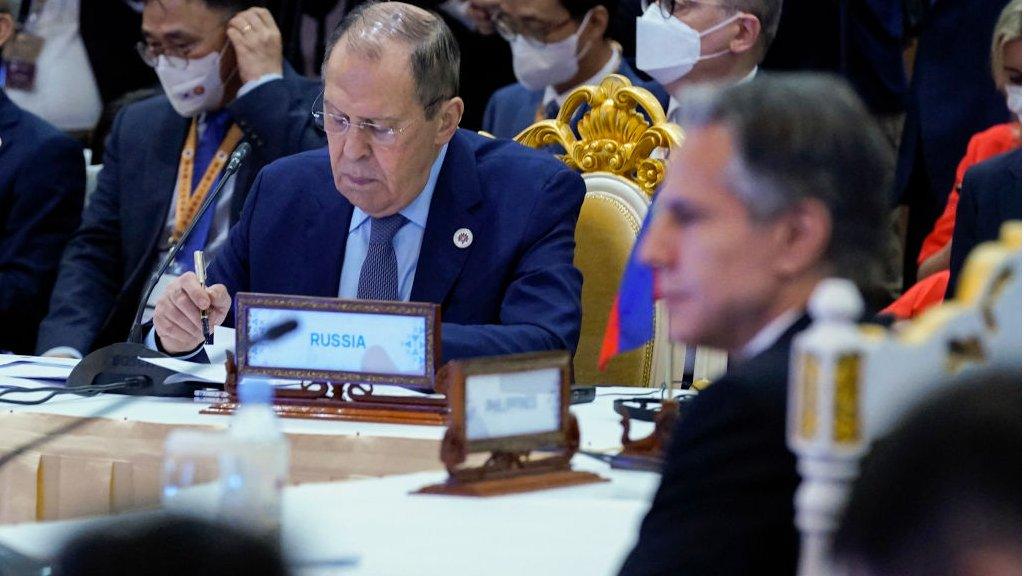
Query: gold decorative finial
point(613, 135)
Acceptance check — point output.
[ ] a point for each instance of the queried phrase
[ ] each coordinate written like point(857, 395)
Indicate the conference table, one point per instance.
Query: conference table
point(349, 505)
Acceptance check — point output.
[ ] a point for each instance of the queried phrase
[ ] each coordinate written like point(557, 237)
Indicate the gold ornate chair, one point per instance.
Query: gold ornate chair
point(620, 155)
point(851, 383)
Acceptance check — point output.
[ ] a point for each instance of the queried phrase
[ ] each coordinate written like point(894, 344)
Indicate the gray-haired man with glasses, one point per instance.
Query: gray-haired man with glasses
point(220, 64)
point(403, 205)
point(680, 43)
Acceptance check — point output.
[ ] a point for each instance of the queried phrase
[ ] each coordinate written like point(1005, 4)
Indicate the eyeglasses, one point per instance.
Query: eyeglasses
point(509, 27)
point(379, 134)
point(670, 7)
point(176, 55)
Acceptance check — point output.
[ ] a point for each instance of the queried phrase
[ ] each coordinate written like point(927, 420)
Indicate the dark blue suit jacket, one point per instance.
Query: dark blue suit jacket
point(114, 251)
point(42, 183)
point(952, 97)
point(514, 289)
point(514, 108)
point(990, 195)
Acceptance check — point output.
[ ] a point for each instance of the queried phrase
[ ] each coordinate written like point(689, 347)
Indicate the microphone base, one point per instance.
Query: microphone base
point(118, 361)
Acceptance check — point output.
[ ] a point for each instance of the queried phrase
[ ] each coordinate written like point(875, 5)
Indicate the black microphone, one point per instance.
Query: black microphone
point(124, 386)
point(276, 331)
point(135, 334)
point(117, 362)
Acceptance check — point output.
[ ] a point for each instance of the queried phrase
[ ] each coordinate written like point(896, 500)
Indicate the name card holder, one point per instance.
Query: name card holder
point(509, 406)
point(339, 351)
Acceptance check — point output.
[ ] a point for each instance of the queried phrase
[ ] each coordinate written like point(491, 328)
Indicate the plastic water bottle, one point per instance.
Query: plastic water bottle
point(254, 469)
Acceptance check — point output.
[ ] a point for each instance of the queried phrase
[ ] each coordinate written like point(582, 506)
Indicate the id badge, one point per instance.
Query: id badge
point(21, 55)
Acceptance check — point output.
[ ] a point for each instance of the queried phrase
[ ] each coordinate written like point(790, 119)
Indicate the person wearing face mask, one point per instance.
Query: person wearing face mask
point(680, 43)
point(934, 269)
point(224, 81)
point(42, 182)
point(557, 45)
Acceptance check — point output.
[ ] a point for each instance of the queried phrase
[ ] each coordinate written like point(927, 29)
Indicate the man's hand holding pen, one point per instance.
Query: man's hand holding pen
point(177, 317)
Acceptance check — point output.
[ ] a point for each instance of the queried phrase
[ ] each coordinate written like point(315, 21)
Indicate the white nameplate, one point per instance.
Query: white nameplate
point(336, 340)
point(513, 404)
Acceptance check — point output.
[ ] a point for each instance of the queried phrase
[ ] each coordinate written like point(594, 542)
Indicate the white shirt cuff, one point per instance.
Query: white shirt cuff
point(63, 351)
point(254, 84)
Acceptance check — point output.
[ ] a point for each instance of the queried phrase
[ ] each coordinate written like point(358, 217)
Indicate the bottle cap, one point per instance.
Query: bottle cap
point(255, 391)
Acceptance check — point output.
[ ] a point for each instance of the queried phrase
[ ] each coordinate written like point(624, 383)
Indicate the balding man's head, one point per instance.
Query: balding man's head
point(376, 27)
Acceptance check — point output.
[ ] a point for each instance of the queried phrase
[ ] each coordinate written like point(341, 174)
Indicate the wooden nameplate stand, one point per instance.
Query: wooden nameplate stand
point(647, 453)
point(509, 469)
point(508, 472)
point(348, 402)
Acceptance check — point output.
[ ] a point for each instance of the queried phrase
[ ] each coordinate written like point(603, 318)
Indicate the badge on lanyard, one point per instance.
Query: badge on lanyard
point(21, 55)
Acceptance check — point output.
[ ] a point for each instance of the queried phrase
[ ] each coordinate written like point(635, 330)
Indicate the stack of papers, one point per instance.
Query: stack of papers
point(18, 370)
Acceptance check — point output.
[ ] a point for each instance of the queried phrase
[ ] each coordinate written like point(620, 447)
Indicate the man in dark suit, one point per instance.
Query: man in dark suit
point(221, 67)
point(557, 45)
point(778, 185)
point(990, 195)
point(951, 98)
point(403, 205)
point(42, 182)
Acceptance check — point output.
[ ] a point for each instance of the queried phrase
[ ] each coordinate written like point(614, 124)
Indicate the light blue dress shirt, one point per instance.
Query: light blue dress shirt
point(407, 240)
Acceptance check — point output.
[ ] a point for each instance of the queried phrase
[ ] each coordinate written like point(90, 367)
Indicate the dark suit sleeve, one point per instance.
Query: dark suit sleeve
point(965, 230)
point(276, 122)
point(724, 505)
point(541, 308)
point(91, 271)
point(45, 208)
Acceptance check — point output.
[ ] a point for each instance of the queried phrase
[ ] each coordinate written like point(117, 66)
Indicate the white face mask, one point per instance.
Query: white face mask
point(1013, 99)
point(194, 88)
point(537, 66)
point(667, 48)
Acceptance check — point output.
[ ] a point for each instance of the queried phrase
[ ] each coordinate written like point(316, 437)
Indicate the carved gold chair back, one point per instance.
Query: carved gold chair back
point(618, 144)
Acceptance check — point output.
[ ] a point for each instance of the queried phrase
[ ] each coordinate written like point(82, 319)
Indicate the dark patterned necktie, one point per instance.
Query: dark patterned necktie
point(378, 279)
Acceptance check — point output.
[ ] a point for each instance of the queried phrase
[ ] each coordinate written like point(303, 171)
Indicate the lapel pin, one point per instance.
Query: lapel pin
point(463, 237)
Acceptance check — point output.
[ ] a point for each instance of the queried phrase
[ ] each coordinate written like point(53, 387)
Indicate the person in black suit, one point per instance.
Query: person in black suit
point(234, 87)
point(778, 185)
point(990, 195)
point(42, 183)
point(951, 98)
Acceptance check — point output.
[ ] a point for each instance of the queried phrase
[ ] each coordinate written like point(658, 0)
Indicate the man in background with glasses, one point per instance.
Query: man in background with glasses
point(403, 205)
point(557, 45)
point(220, 65)
point(680, 43)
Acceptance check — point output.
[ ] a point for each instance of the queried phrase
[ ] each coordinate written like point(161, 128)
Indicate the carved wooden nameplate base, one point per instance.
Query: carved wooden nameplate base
point(348, 402)
point(344, 352)
point(646, 453)
point(509, 406)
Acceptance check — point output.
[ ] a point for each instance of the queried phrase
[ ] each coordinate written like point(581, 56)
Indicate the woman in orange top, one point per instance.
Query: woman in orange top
point(933, 260)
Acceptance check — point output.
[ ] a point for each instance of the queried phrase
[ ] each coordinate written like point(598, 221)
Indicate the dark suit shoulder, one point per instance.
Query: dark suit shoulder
point(33, 140)
point(500, 158)
point(984, 177)
point(516, 95)
point(34, 129)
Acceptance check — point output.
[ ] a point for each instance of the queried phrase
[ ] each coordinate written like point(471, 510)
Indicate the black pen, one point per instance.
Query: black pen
point(204, 315)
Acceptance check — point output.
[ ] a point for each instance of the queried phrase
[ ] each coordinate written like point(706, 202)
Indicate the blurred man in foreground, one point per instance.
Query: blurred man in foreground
point(778, 185)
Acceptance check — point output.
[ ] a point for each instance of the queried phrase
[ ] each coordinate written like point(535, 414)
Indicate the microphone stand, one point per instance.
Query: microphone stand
point(122, 360)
